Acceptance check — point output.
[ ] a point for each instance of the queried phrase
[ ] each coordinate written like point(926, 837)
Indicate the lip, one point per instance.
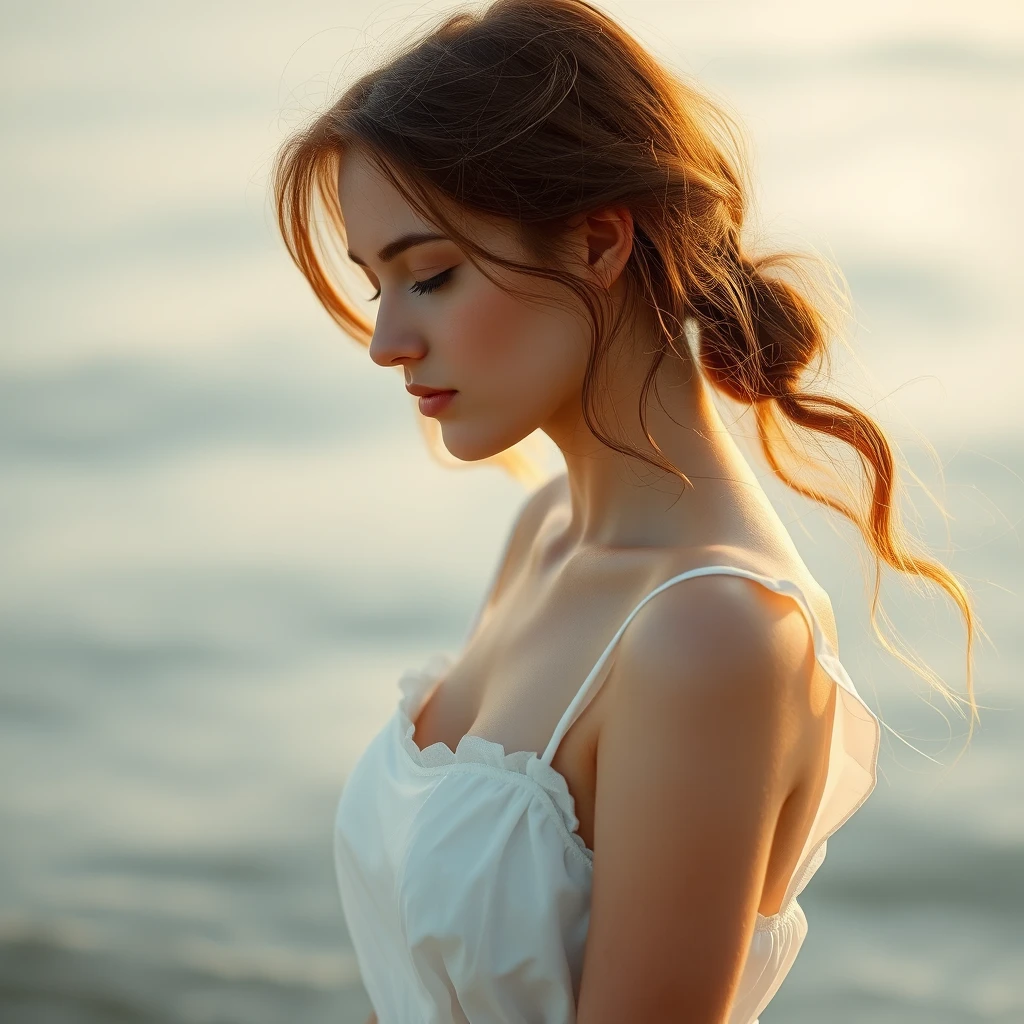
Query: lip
point(433, 403)
point(422, 391)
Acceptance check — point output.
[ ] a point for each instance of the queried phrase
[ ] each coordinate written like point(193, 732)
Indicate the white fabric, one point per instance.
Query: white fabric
point(466, 888)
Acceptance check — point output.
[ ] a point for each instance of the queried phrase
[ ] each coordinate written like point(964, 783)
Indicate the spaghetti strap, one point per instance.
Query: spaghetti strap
point(824, 651)
point(420, 833)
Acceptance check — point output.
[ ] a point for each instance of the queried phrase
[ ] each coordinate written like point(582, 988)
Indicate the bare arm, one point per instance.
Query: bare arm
point(711, 703)
point(373, 1018)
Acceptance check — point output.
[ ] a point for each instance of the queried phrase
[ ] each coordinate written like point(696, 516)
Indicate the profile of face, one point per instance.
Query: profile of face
point(516, 365)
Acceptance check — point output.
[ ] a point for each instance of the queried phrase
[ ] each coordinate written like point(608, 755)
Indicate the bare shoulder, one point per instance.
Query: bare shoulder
point(696, 757)
point(543, 499)
point(531, 516)
point(525, 526)
point(721, 621)
point(723, 656)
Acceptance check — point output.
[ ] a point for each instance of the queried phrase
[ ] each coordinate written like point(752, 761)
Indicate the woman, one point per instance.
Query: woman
point(604, 809)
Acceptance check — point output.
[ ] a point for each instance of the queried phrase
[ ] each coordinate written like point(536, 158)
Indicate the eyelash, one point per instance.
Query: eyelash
point(422, 287)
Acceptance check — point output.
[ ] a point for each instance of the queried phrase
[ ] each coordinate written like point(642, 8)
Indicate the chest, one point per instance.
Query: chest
point(533, 651)
point(519, 673)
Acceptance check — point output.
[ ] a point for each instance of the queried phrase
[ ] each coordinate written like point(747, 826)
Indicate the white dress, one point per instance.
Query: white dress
point(466, 888)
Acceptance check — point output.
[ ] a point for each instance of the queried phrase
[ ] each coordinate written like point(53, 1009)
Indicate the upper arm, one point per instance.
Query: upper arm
point(695, 760)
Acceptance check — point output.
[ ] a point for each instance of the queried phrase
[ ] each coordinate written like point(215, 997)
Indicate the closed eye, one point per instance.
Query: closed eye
point(422, 287)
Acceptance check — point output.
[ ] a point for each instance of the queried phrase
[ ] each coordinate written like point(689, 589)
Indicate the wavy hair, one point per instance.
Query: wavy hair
point(533, 111)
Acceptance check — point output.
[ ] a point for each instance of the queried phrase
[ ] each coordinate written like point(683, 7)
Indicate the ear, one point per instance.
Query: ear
point(605, 238)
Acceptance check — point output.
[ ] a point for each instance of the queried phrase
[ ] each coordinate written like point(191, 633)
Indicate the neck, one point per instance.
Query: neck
point(619, 501)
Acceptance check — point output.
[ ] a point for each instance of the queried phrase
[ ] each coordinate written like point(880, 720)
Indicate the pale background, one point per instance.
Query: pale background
point(222, 538)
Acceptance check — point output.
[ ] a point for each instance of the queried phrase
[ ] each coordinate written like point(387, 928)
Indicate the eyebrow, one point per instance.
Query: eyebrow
point(399, 245)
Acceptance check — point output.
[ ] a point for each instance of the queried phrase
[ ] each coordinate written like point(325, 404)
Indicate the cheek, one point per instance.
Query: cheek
point(485, 330)
point(529, 353)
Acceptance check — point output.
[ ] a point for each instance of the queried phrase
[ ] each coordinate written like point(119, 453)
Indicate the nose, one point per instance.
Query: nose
point(392, 346)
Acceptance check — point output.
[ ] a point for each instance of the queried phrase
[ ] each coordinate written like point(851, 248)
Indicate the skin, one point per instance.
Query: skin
point(518, 369)
point(716, 672)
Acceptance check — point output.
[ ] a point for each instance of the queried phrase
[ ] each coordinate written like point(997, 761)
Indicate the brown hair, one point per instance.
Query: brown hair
point(465, 115)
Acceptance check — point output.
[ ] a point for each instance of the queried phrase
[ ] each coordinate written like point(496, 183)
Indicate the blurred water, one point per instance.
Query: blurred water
point(222, 540)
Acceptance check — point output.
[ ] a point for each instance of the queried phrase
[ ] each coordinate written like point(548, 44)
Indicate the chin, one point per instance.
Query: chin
point(469, 449)
point(474, 446)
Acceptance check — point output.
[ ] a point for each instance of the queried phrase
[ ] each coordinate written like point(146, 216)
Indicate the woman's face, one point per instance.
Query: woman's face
point(516, 367)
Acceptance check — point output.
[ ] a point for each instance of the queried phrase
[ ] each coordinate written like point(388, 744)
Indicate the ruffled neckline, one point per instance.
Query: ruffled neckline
point(415, 685)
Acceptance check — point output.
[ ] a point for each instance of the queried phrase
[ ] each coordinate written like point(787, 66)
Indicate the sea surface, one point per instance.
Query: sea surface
point(222, 539)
